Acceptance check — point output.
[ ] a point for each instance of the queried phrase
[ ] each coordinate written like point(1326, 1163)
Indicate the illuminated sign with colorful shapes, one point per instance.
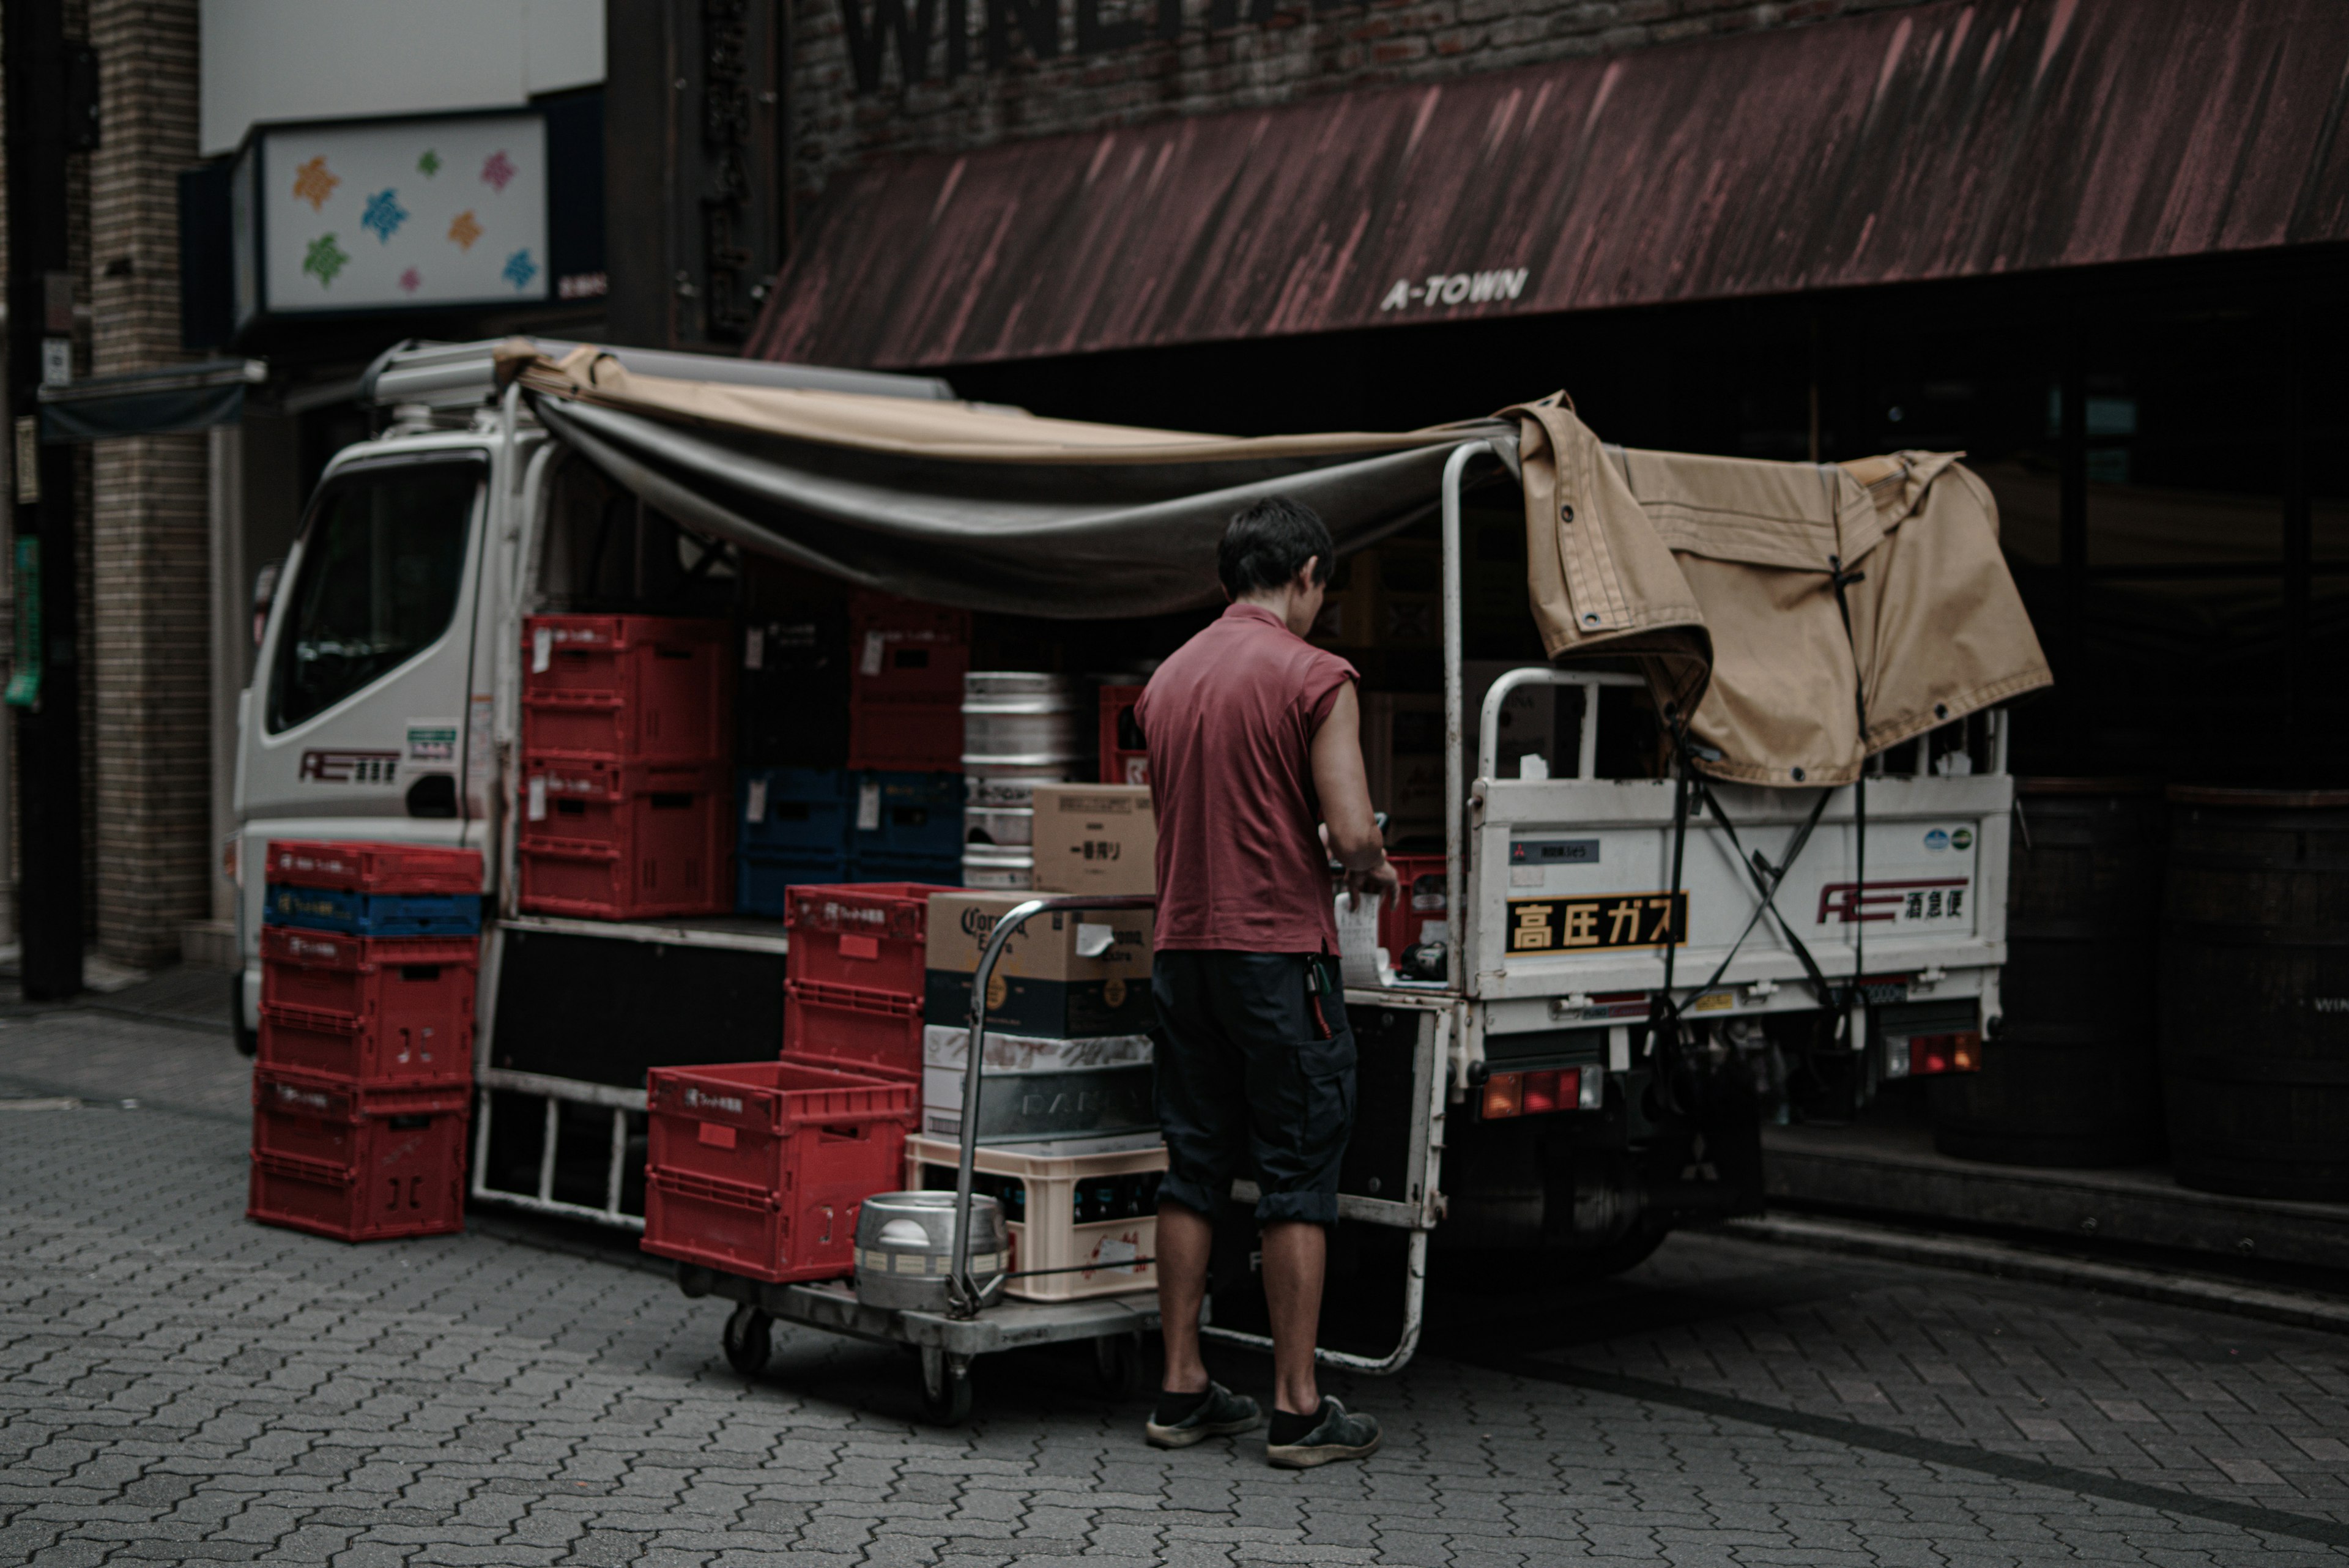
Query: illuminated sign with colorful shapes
point(360, 216)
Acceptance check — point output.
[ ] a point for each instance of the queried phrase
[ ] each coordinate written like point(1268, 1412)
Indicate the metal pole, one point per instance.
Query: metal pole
point(1455, 807)
point(962, 1291)
point(46, 700)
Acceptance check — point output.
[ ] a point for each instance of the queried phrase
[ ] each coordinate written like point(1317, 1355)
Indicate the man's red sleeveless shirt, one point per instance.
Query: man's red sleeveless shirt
point(1229, 722)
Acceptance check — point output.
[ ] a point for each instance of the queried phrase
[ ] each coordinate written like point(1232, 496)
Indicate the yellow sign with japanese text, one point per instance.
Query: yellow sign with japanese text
point(1595, 923)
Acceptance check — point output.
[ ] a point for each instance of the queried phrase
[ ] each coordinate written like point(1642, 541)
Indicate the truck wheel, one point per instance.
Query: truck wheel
point(748, 1340)
point(248, 1043)
point(1622, 1255)
point(1117, 1366)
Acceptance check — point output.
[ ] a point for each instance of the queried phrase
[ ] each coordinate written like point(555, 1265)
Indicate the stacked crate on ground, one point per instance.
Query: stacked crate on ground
point(759, 1168)
point(853, 995)
point(1082, 1224)
point(627, 753)
point(364, 1077)
point(612, 840)
point(1067, 1016)
point(357, 1163)
point(906, 827)
point(1125, 759)
point(791, 828)
point(908, 662)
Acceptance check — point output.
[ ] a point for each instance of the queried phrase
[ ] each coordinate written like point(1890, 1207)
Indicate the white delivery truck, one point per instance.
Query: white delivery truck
point(1791, 888)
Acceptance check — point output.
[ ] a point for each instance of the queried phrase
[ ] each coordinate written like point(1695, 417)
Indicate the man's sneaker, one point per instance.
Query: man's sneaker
point(1222, 1414)
point(1337, 1434)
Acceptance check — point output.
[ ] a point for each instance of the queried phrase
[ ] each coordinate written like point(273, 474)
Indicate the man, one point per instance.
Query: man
point(1255, 755)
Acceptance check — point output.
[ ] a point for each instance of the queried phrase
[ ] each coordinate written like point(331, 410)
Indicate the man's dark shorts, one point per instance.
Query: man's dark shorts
point(1249, 1082)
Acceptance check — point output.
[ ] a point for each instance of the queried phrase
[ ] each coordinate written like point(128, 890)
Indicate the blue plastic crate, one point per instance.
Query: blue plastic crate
point(804, 810)
point(375, 914)
point(761, 877)
point(879, 866)
point(917, 815)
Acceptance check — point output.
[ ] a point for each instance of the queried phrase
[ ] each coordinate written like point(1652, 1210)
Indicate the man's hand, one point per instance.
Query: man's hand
point(1380, 880)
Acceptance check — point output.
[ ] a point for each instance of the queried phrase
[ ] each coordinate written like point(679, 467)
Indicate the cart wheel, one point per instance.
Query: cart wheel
point(946, 1386)
point(748, 1341)
point(1117, 1366)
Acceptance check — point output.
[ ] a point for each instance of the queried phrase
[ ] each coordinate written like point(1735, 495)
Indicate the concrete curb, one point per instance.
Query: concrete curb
point(2298, 1309)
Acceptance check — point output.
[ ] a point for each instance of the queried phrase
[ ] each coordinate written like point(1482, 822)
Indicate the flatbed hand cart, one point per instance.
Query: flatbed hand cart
point(976, 1320)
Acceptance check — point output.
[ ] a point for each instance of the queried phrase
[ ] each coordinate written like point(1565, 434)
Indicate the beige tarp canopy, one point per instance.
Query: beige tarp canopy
point(1720, 575)
point(1715, 573)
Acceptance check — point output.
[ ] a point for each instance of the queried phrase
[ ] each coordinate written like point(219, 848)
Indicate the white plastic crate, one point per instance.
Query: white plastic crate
point(1105, 1253)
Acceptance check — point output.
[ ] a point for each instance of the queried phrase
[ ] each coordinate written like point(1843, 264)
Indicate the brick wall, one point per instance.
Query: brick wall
point(1300, 50)
point(148, 636)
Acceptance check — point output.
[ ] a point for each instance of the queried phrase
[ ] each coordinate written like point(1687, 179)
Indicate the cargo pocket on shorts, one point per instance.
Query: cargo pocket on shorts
point(1325, 1086)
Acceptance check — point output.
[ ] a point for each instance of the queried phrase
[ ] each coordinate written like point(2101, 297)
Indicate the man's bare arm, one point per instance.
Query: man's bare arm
point(1351, 826)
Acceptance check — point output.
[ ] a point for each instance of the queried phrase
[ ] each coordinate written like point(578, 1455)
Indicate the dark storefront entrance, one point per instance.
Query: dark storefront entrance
point(2094, 245)
point(2183, 538)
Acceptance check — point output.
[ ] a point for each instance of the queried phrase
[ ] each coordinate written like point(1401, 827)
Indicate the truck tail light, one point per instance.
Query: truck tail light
point(1921, 1056)
point(1539, 1093)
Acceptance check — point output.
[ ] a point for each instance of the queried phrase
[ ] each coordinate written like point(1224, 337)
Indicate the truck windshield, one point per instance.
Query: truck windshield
point(381, 567)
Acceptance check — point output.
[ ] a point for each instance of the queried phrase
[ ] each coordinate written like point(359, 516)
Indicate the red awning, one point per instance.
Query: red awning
point(1944, 140)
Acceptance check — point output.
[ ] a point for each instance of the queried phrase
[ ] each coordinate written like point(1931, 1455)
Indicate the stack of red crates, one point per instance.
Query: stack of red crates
point(627, 766)
point(853, 995)
point(906, 661)
point(363, 1083)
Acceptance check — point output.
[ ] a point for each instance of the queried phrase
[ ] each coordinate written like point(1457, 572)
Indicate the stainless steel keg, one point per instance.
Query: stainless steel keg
point(905, 1248)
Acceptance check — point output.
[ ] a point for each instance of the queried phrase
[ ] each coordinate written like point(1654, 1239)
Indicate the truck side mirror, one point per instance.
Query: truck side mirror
point(265, 593)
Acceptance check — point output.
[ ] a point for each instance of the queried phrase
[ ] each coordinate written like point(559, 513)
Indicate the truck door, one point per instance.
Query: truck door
point(356, 724)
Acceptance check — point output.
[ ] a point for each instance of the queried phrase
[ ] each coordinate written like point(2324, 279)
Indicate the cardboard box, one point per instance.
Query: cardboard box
point(1095, 838)
point(1070, 974)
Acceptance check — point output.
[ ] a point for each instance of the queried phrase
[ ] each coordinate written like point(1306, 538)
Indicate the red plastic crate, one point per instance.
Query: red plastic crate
point(626, 687)
point(868, 935)
point(353, 867)
point(378, 1051)
point(874, 1030)
point(1422, 900)
point(896, 1075)
point(1124, 760)
point(758, 1168)
point(663, 852)
point(902, 650)
point(596, 800)
point(357, 1165)
point(394, 980)
point(890, 735)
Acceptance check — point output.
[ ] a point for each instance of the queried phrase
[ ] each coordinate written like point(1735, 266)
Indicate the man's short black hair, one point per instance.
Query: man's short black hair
point(1264, 546)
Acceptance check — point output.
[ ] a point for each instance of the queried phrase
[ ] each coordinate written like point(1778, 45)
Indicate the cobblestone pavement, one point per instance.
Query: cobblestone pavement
point(178, 1385)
